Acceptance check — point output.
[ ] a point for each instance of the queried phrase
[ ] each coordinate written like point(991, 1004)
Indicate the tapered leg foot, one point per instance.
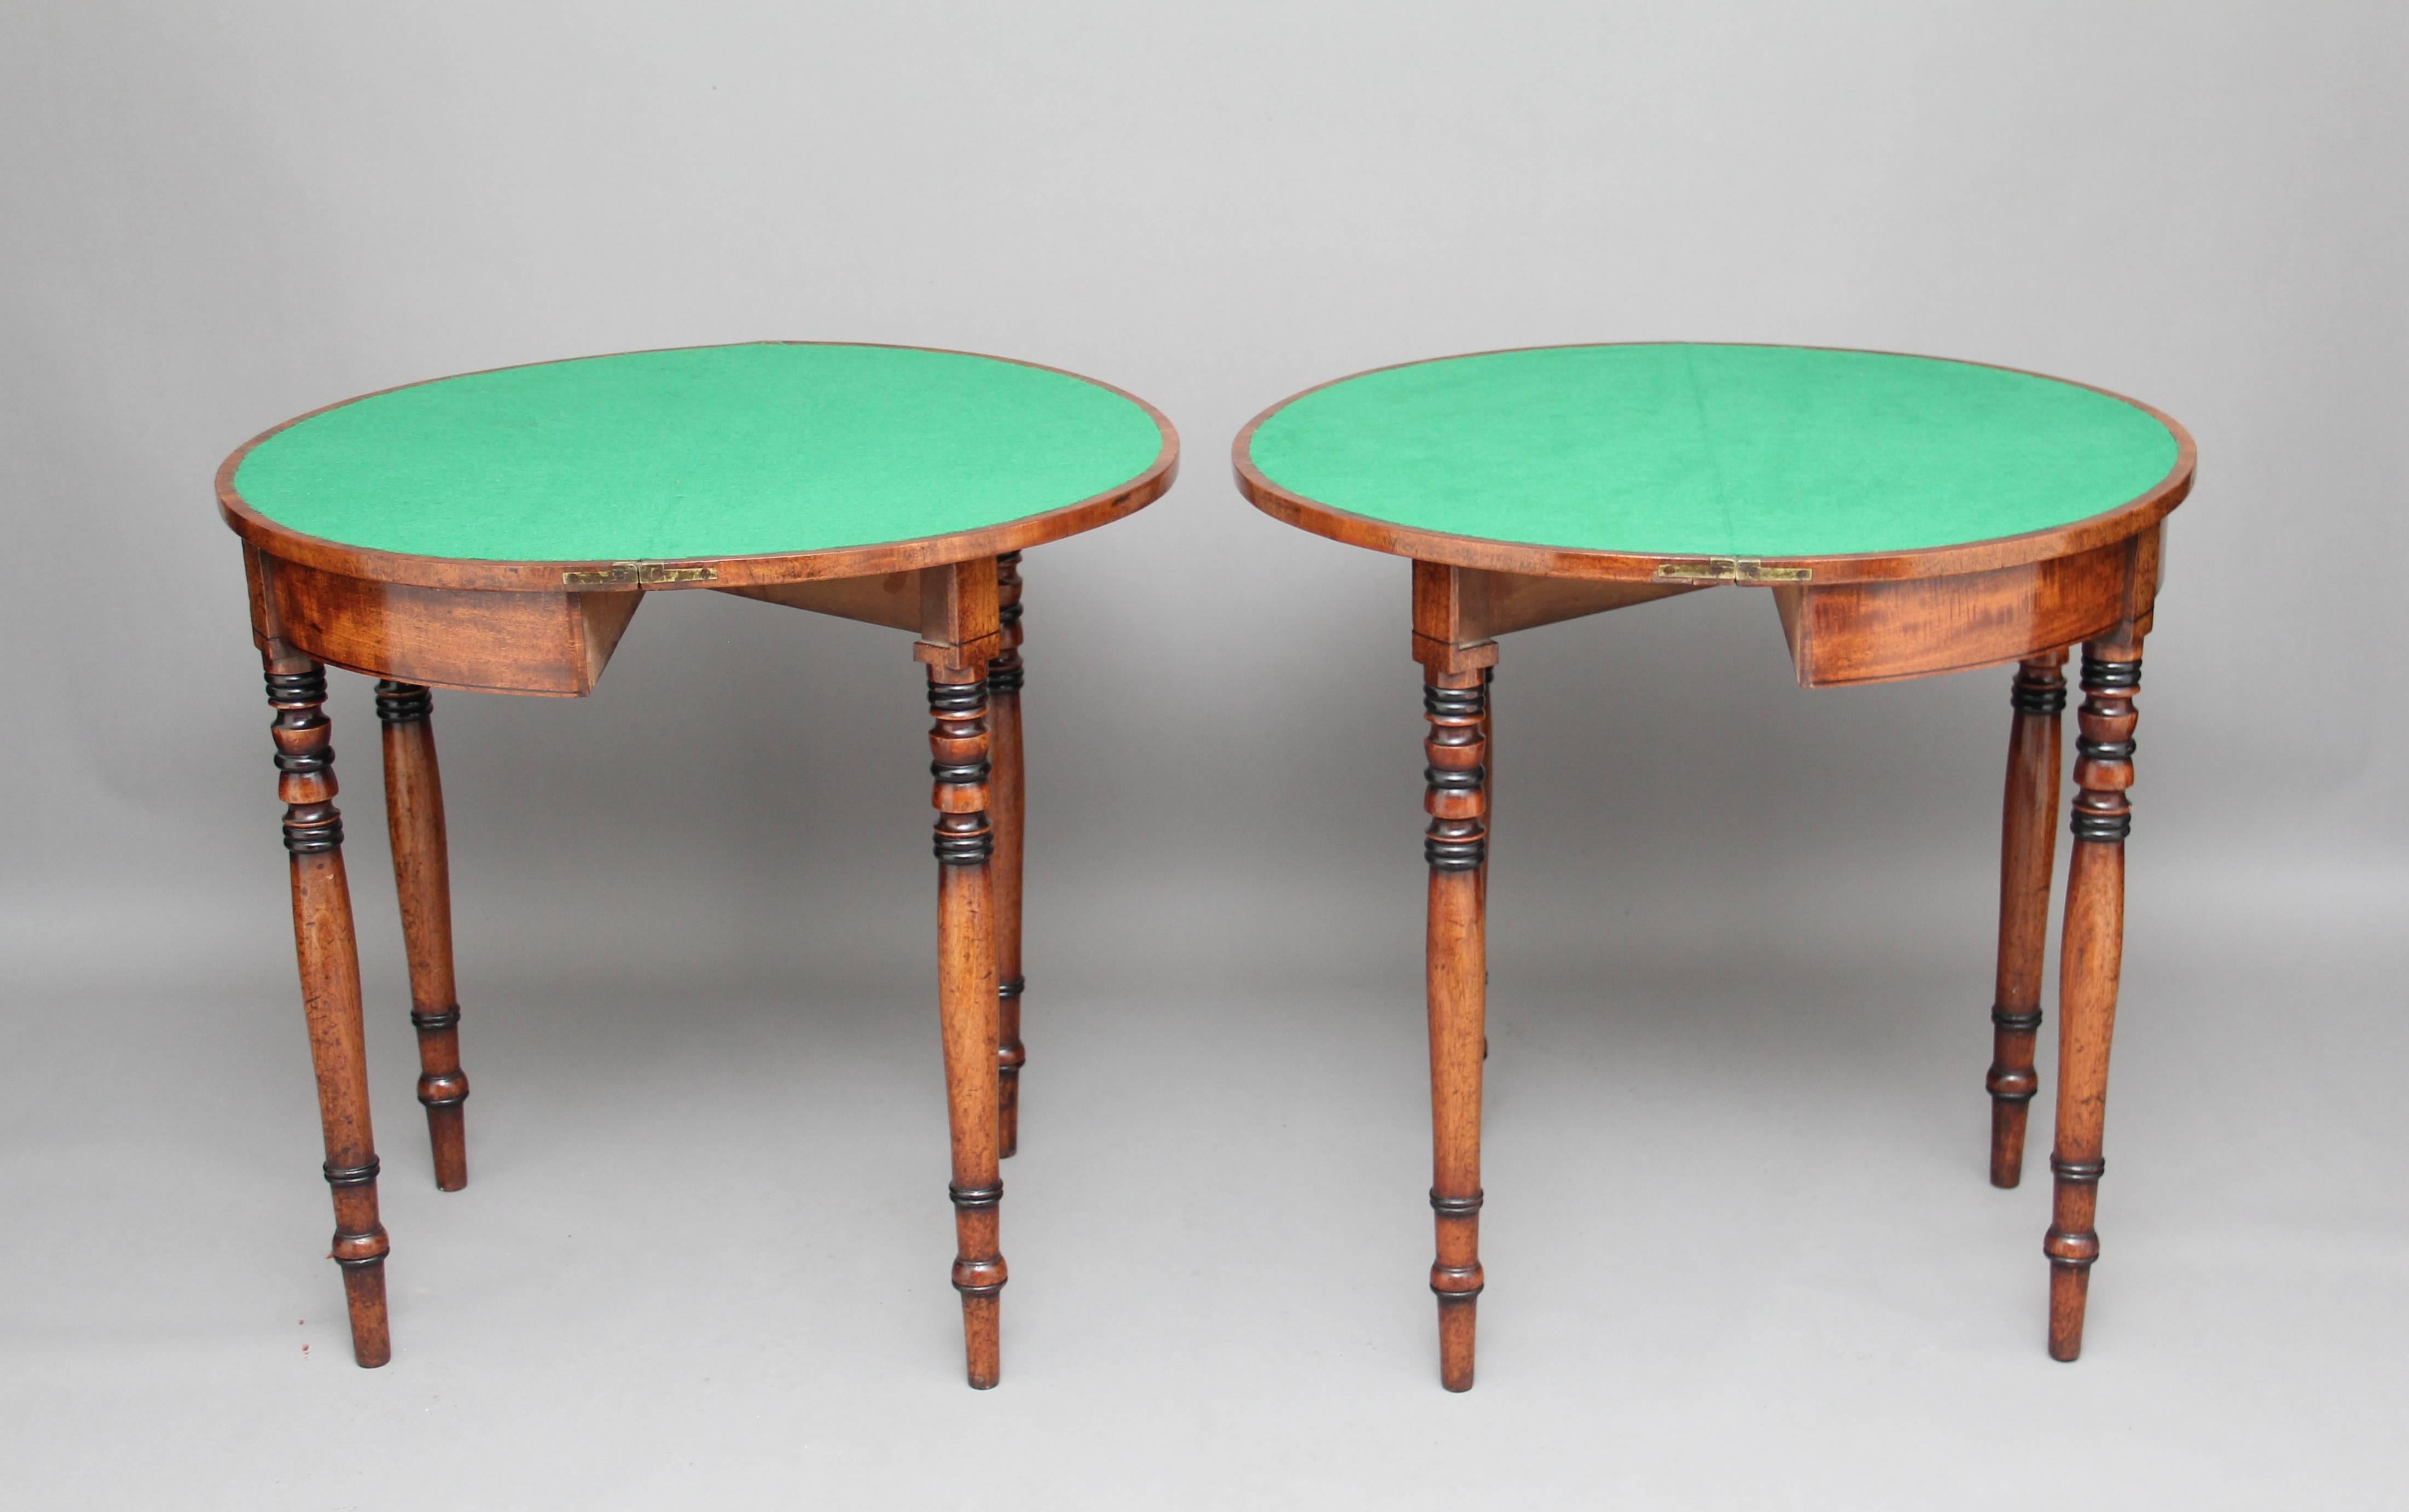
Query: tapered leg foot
point(2008, 1118)
point(364, 1298)
point(328, 951)
point(1455, 847)
point(981, 1285)
point(360, 1248)
point(967, 1003)
point(1457, 1317)
point(422, 878)
point(981, 1334)
point(1008, 804)
point(2069, 1290)
point(2071, 1245)
point(2027, 839)
point(2088, 969)
point(979, 1276)
point(447, 1137)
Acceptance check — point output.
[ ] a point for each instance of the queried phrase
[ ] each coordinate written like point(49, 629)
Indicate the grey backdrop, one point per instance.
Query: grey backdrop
point(1740, 1248)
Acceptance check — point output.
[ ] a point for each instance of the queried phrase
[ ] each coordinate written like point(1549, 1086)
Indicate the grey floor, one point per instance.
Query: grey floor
point(1740, 1248)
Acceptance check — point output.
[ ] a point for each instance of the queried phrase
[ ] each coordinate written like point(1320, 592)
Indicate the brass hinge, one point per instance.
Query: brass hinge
point(1731, 569)
point(640, 573)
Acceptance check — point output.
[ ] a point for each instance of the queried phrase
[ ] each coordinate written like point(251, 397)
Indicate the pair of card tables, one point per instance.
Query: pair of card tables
point(1908, 515)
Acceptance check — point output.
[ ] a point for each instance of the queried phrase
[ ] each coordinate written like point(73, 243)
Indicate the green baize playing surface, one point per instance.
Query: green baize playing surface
point(1717, 451)
point(704, 452)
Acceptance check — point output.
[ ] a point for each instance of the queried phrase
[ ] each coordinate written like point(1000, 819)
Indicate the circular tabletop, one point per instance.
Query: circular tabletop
point(874, 457)
point(1613, 460)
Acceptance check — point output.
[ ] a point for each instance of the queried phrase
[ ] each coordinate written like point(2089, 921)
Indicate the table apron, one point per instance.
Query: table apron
point(557, 643)
point(1879, 632)
point(543, 643)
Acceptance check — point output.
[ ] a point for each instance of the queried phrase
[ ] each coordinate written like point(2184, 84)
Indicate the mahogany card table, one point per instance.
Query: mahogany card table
point(498, 531)
point(1908, 516)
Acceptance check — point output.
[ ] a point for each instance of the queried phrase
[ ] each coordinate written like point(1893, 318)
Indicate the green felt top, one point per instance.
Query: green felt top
point(732, 451)
point(1714, 451)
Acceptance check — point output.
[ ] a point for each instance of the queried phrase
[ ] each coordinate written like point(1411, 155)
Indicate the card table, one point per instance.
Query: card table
point(497, 530)
point(1908, 515)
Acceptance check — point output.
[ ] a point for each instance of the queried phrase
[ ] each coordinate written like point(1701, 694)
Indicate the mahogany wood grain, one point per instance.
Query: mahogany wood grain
point(422, 879)
point(291, 546)
point(1463, 606)
point(1456, 964)
point(952, 605)
point(2027, 850)
point(2091, 958)
point(1489, 790)
point(2126, 519)
point(965, 845)
point(1008, 801)
point(1882, 631)
point(328, 954)
point(891, 598)
point(553, 644)
point(961, 621)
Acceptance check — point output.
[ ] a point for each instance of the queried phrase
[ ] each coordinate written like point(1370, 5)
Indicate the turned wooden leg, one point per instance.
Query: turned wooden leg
point(967, 1000)
point(2028, 847)
point(2092, 952)
point(422, 876)
point(1008, 801)
point(1488, 770)
point(1488, 788)
point(330, 989)
point(1455, 846)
